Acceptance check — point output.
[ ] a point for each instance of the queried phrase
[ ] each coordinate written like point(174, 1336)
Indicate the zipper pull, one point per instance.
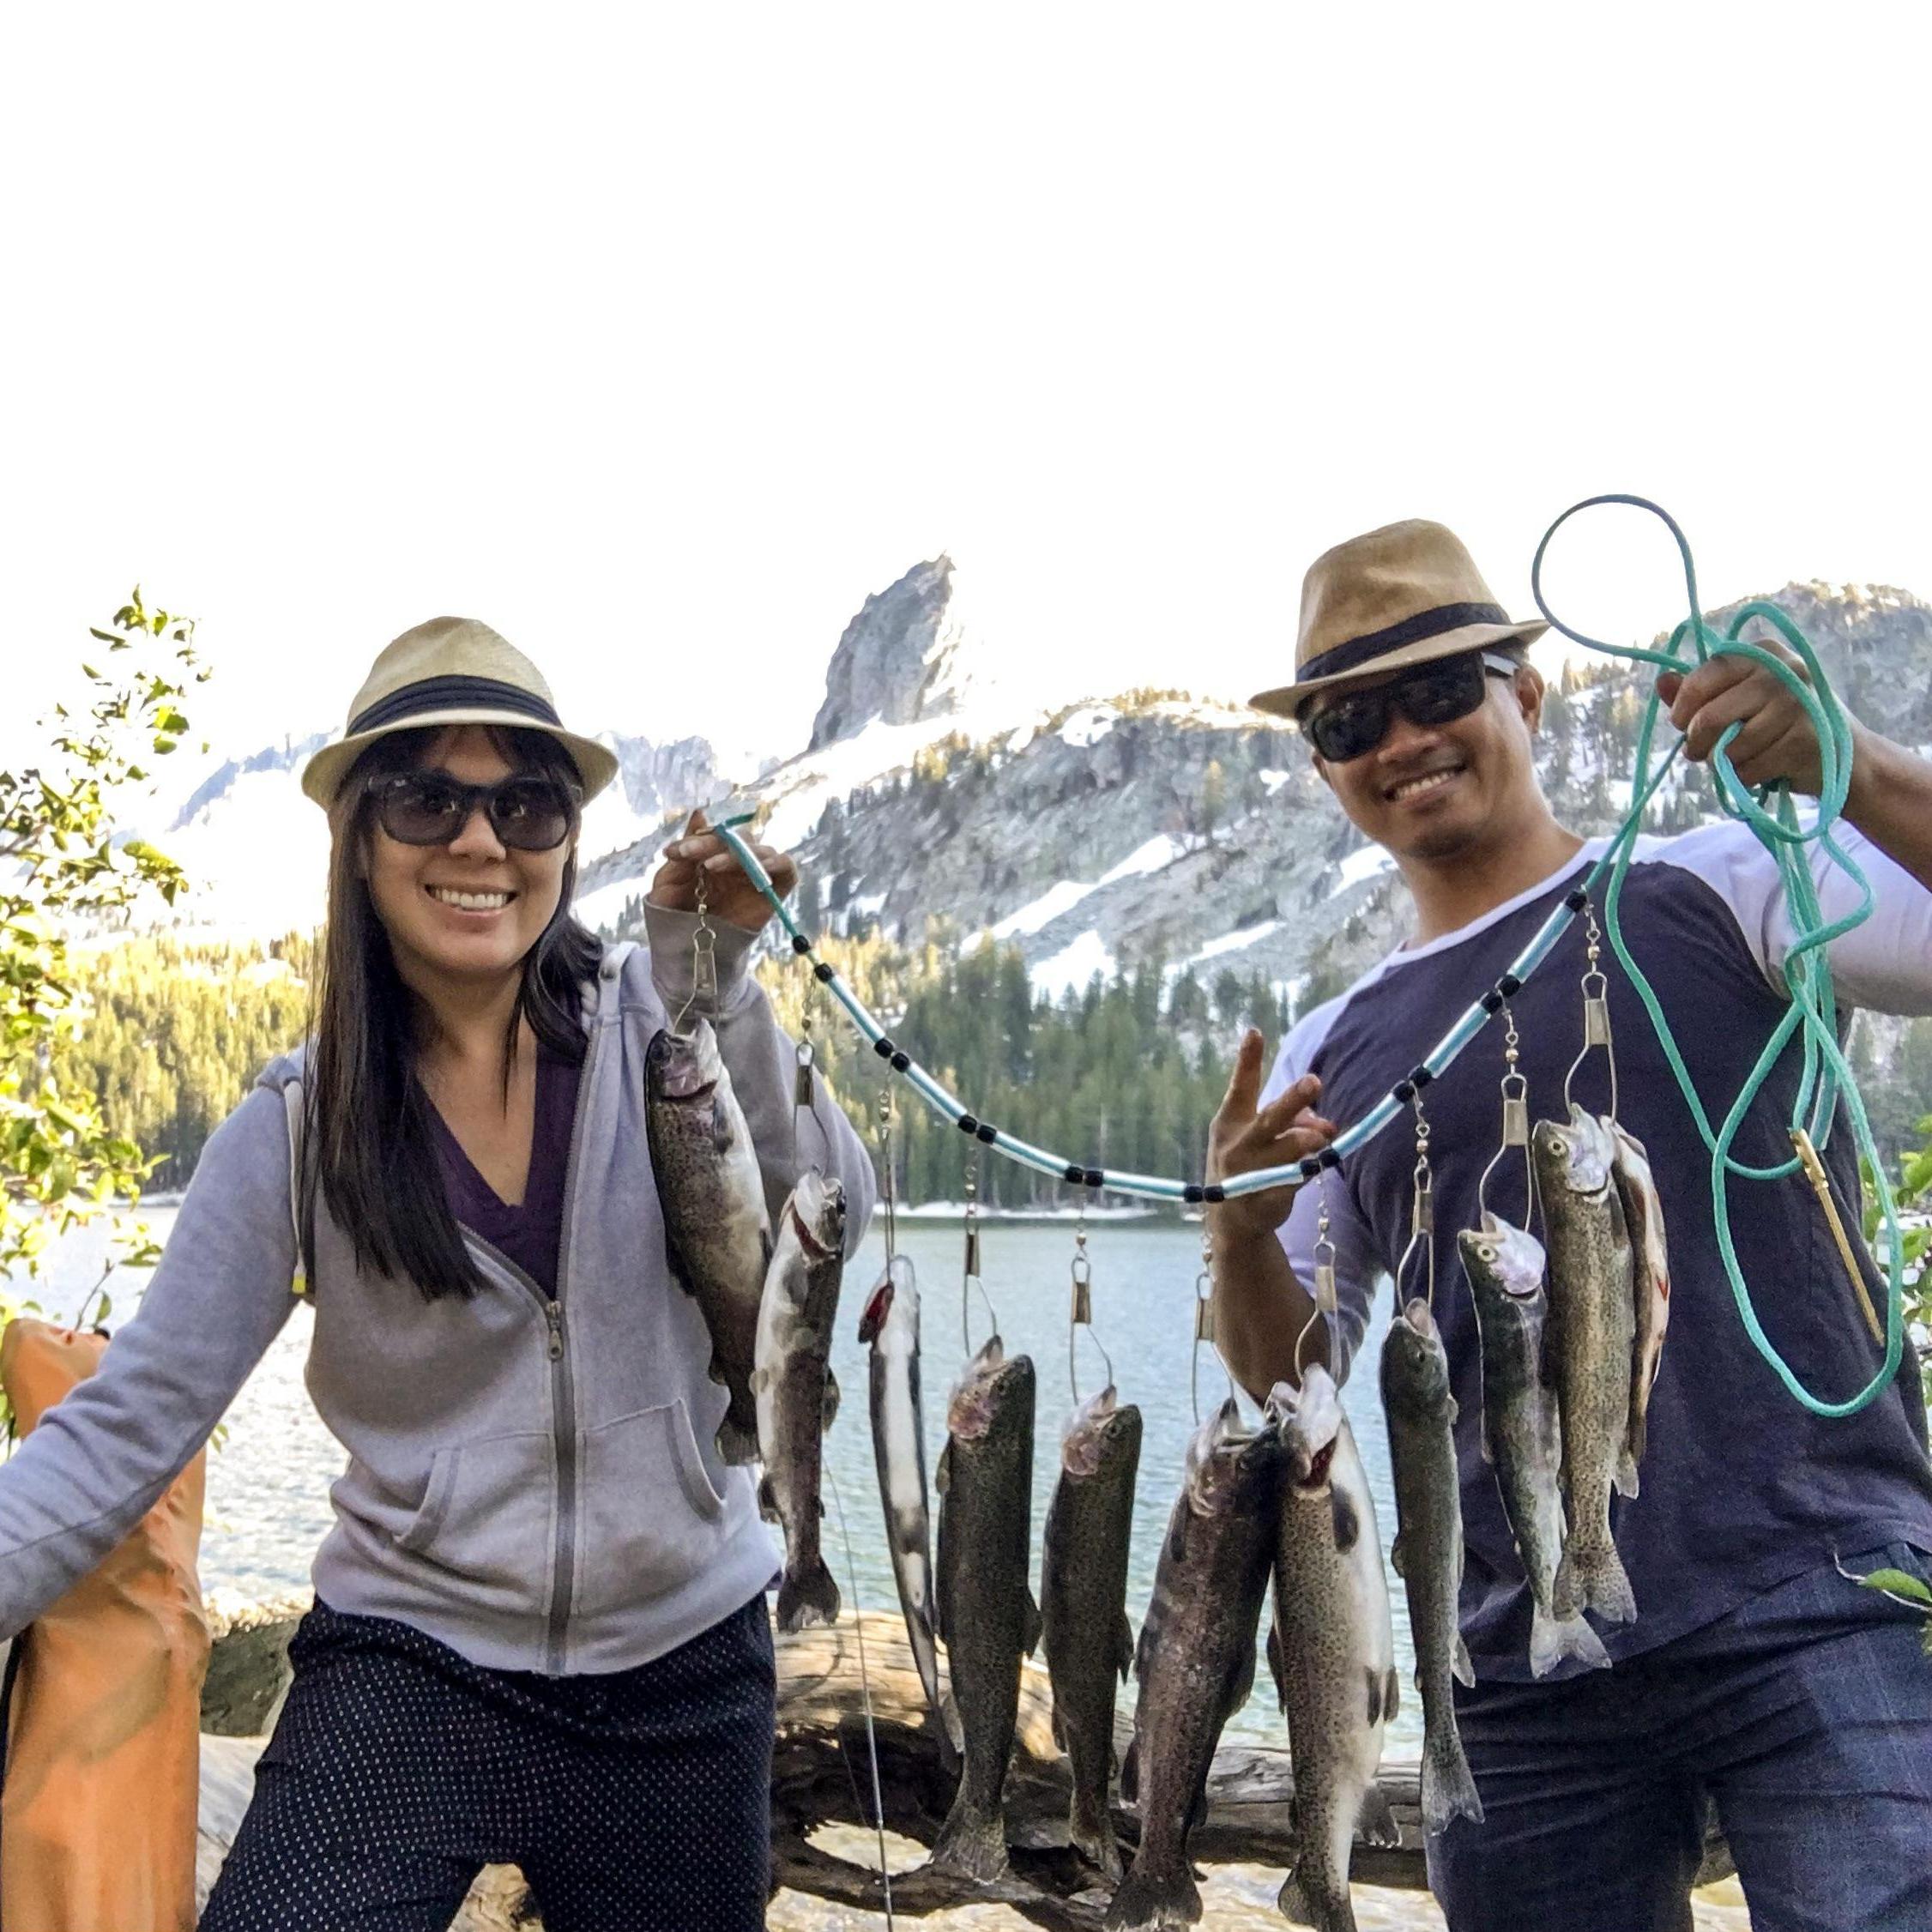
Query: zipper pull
point(553, 1313)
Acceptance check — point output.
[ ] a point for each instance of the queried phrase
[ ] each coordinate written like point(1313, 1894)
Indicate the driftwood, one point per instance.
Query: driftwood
point(822, 1787)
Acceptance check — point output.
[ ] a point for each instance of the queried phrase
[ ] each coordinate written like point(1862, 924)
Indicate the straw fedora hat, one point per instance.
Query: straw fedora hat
point(450, 671)
point(1402, 594)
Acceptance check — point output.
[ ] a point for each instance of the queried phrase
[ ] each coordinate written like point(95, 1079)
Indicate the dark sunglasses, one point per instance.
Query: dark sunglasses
point(1436, 693)
point(529, 812)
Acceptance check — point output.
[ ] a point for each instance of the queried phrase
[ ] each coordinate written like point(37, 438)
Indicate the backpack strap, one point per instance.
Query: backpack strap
point(292, 1101)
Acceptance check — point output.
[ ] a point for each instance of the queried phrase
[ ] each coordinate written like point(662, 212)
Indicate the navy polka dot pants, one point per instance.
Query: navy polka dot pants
point(638, 1800)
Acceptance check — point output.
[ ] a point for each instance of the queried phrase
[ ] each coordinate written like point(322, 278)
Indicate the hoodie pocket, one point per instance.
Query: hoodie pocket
point(652, 1521)
point(488, 1516)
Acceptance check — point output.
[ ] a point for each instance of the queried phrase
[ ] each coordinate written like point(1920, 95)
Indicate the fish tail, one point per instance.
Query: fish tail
point(1591, 1577)
point(972, 1843)
point(1305, 1898)
point(1553, 1639)
point(1155, 1902)
point(1090, 1829)
point(807, 1596)
point(737, 1444)
point(1448, 1789)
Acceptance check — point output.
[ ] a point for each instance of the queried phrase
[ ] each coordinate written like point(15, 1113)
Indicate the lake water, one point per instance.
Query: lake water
point(268, 1487)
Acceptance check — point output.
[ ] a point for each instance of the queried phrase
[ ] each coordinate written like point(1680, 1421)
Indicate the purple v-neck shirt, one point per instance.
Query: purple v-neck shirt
point(530, 1233)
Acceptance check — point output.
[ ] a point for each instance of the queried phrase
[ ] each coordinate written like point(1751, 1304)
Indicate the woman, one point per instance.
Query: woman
point(539, 1633)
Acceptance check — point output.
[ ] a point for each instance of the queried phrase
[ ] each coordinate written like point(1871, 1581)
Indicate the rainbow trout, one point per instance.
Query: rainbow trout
point(717, 1236)
point(1195, 1657)
point(1428, 1552)
point(890, 1326)
point(793, 1388)
point(1083, 1606)
point(1522, 1433)
point(988, 1619)
point(1331, 1648)
point(1593, 1328)
point(1643, 1215)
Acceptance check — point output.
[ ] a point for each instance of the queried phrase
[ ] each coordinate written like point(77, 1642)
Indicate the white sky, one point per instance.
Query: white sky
point(659, 338)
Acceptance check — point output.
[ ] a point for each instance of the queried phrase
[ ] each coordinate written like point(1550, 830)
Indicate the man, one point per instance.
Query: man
point(1755, 1674)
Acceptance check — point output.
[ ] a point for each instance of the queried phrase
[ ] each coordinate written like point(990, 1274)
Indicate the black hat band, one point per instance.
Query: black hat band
point(444, 694)
point(1358, 651)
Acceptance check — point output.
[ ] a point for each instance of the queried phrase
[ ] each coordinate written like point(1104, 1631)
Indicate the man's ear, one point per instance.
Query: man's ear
point(1529, 687)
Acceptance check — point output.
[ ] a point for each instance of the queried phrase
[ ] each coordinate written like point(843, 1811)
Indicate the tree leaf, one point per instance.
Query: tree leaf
point(1898, 1583)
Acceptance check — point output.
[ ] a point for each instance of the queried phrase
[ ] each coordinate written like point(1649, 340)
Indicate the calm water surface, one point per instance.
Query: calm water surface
point(268, 1490)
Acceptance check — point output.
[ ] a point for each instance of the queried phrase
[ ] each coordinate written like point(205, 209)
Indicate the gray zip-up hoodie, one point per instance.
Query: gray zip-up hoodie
point(535, 1483)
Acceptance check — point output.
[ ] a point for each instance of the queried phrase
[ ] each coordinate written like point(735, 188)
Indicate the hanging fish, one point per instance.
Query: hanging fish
point(890, 1326)
point(988, 1619)
point(1331, 1648)
point(1593, 1326)
point(1522, 1432)
point(1083, 1606)
point(1428, 1552)
point(1643, 1215)
point(1195, 1657)
point(716, 1233)
point(795, 1394)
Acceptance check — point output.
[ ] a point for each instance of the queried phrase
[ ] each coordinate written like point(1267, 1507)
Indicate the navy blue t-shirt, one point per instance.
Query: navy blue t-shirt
point(531, 1233)
point(1742, 1487)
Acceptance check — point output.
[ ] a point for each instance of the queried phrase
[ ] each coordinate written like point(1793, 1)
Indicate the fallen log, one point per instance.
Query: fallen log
point(821, 1786)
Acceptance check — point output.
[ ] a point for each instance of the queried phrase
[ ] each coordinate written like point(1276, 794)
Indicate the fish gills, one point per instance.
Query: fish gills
point(1593, 1326)
point(1428, 1548)
point(1195, 1661)
point(717, 1235)
point(1522, 1433)
point(1084, 1607)
point(988, 1619)
point(1332, 1648)
point(794, 1389)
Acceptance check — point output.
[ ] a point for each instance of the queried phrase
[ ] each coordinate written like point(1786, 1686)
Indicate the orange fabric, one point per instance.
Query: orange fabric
point(103, 1765)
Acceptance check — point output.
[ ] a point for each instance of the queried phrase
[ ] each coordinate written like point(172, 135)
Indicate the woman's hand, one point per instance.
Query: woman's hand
point(729, 894)
point(1777, 740)
point(1244, 1137)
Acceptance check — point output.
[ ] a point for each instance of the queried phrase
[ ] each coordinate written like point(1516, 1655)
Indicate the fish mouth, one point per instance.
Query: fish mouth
point(683, 1066)
point(1315, 1475)
point(1418, 1316)
point(879, 1306)
point(1086, 1431)
point(969, 1414)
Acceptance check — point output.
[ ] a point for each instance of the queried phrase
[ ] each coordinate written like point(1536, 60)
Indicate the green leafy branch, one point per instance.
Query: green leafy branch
point(66, 871)
point(1911, 1194)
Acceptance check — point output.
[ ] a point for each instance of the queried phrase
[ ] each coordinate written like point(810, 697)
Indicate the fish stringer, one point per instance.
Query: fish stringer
point(1516, 1127)
point(970, 1277)
point(1422, 1218)
point(704, 993)
point(1080, 1311)
point(1203, 1325)
point(1325, 1278)
point(1595, 1011)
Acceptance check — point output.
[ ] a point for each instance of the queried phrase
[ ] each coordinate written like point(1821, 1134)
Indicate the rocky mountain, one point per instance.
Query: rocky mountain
point(1137, 825)
point(902, 659)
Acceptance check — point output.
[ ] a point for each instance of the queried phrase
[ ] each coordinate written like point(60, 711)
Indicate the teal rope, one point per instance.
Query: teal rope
point(1812, 1011)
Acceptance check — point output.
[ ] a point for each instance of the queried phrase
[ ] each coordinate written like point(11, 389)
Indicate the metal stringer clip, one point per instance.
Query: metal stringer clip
point(1595, 1010)
point(1422, 1217)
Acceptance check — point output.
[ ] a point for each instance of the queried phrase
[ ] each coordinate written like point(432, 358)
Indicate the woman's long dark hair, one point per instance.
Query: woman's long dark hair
point(368, 1143)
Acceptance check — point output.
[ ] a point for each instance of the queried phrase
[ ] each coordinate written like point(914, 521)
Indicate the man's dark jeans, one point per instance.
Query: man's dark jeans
point(1806, 1714)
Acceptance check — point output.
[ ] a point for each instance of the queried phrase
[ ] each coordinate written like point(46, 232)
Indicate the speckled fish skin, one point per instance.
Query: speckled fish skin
point(988, 1619)
point(1332, 1648)
point(792, 1387)
point(1195, 1661)
point(890, 1327)
point(1428, 1548)
point(1083, 1606)
point(716, 1232)
point(1522, 1434)
point(1643, 1215)
point(1592, 1327)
